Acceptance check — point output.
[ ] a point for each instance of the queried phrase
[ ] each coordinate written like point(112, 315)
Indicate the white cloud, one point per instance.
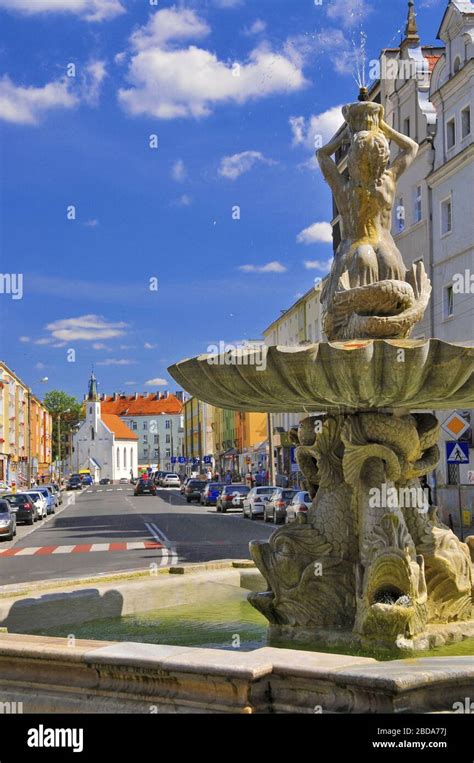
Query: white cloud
point(40, 366)
point(316, 233)
point(85, 327)
point(25, 339)
point(91, 223)
point(149, 346)
point(319, 127)
point(156, 383)
point(90, 10)
point(232, 167)
point(168, 82)
point(270, 267)
point(227, 3)
point(44, 341)
point(178, 171)
point(115, 362)
point(184, 201)
point(26, 105)
point(257, 27)
point(131, 383)
point(348, 13)
point(323, 265)
point(94, 75)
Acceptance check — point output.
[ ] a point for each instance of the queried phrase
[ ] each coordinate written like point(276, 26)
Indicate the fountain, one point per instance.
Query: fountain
point(372, 565)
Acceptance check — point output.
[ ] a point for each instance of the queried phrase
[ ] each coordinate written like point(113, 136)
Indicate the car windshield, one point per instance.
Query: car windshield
point(287, 494)
point(237, 489)
point(196, 483)
point(214, 486)
point(16, 499)
point(35, 495)
point(265, 490)
point(147, 483)
point(4, 508)
point(175, 476)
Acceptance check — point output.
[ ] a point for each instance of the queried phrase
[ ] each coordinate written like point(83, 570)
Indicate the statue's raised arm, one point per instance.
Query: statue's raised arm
point(408, 152)
point(328, 166)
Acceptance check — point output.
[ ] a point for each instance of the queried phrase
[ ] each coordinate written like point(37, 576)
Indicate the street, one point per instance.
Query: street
point(107, 529)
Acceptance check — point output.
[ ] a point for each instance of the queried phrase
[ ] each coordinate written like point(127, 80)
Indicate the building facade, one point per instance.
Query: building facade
point(25, 432)
point(157, 420)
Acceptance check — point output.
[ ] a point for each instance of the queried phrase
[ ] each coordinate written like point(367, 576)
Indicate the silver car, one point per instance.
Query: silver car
point(299, 507)
point(7, 521)
point(39, 501)
point(255, 501)
point(275, 510)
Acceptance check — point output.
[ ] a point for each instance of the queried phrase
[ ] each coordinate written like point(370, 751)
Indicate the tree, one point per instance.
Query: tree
point(58, 402)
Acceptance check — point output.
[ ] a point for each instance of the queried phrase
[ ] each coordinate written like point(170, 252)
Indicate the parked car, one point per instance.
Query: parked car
point(22, 505)
point(49, 497)
point(232, 497)
point(145, 486)
point(7, 521)
point(300, 504)
point(255, 501)
point(171, 480)
point(158, 476)
point(193, 490)
point(54, 488)
point(210, 493)
point(104, 481)
point(275, 510)
point(87, 479)
point(124, 481)
point(40, 502)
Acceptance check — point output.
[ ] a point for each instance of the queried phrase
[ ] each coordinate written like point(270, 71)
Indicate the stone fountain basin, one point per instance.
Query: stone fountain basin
point(334, 376)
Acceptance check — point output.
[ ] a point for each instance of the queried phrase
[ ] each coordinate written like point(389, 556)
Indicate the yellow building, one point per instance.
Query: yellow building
point(198, 435)
point(25, 431)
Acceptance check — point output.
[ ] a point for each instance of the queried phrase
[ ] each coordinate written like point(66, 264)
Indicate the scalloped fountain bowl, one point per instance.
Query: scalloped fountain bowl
point(334, 376)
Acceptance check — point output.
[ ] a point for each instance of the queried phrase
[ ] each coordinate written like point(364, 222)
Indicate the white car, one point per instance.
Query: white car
point(255, 501)
point(40, 502)
point(171, 480)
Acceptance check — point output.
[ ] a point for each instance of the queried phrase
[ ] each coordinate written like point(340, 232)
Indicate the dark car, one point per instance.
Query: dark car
point(74, 483)
point(104, 481)
point(158, 476)
point(210, 493)
point(22, 505)
point(275, 510)
point(7, 521)
point(87, 479)
point(194, 490)
point(144, 487)
point(232, 497)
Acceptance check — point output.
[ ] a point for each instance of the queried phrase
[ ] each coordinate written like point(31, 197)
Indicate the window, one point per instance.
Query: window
point(446, 217)
point(155, 439)
point(451, 133)
point(156, 453)
point(134, 426)
point(168, 452)
point(406, 126)
point(168, 424)
point(168, 438)
point(90, 410)
point(124, 458)
point(457, 64)
point(92, 433)
point(145, 425)
point(418, 204)
point(118, 458)
point(448, 302)
point(400, 215)
point(466, 122)
point(145, 438)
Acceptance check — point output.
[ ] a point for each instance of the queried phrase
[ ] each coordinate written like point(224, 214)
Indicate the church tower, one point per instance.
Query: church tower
point(412, 38)
point(93, 406)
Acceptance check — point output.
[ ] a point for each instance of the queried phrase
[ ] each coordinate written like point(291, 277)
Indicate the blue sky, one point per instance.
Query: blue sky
point(235, 91)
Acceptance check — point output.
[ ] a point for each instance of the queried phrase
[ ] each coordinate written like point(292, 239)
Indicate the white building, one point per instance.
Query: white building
point(451, 203)
point(103, 443)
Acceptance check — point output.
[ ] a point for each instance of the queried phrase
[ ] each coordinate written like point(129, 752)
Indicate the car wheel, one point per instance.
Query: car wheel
point(223, 509)
point(14, 534)
point(218, 508)
point(251, 515)
point(265, 516)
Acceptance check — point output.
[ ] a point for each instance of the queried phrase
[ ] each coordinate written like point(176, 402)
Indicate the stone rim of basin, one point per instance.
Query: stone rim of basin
point(366, 374)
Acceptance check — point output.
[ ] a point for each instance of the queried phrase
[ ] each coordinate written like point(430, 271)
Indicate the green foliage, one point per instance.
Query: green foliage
point(71, 410)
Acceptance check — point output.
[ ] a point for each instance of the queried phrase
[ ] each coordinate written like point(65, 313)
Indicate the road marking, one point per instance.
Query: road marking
point(84, 548)
point(159, 535)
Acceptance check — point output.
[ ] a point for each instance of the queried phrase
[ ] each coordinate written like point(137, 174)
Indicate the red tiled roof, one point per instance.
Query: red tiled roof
point(143, 406)
point(432, 61)
point(116, 425)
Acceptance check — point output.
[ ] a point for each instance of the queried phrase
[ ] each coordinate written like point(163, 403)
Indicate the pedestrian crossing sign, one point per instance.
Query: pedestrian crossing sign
point(457, 452)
